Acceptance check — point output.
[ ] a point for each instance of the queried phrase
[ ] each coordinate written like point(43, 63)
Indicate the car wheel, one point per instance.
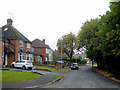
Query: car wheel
point(23, 67)
point(13, 66)
point(30, 68)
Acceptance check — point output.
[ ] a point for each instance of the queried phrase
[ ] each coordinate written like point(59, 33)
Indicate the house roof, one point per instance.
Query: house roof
point(78, 55)
point(39, 44)
point(12, 33)
point(58, 55)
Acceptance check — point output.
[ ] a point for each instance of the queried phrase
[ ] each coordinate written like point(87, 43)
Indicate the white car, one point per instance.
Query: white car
point(24, 64)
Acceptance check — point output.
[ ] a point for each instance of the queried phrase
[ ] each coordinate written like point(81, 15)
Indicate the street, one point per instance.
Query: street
point(85, 77)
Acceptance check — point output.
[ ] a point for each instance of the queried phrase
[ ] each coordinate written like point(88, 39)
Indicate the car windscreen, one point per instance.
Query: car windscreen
point(74, 64)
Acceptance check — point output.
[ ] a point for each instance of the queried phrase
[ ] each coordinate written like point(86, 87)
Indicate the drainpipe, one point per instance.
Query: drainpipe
point(4, 51)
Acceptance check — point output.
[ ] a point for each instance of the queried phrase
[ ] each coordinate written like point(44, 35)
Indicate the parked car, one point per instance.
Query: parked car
point(74, 66)
point(24, 64)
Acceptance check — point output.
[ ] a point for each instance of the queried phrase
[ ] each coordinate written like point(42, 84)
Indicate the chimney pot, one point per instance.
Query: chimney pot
point(9, 21)
point(44, 41)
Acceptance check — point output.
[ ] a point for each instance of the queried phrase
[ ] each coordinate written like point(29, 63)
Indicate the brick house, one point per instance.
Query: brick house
point(17, 46)
point(41, 48)
point(1, 48)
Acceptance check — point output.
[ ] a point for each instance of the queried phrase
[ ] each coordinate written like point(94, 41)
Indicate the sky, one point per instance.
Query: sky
point(50, 19)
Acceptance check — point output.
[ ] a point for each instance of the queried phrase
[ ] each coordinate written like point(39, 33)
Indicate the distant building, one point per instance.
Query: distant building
point(80, 55)
point(58, 55)
point(83, 57)
point(41, 48)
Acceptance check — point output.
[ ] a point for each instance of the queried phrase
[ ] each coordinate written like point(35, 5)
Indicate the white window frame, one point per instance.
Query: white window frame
point(20, 43)
point(47, 51)
point(27, 56)
point(28, 45)
point(38, 58)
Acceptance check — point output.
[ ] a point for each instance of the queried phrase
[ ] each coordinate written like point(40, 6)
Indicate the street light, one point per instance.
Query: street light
point(61, 54)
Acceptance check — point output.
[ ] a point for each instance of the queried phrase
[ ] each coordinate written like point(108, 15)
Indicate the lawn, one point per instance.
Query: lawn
point(56, 76)
point(17, 75)
point(48, 68)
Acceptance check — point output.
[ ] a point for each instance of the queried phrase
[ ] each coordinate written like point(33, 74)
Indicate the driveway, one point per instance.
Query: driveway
point(35, 71)
point(85, 77)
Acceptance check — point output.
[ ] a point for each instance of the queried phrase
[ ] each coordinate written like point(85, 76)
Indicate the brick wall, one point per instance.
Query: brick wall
point(42, 51)
point(1, 53)
point(57, 66)
point(16, 43)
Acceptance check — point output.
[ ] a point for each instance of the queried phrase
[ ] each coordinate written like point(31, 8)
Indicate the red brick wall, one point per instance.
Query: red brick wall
point(17, 47)
point(16, 43)
point(42, 51)
point(1, 49)
point(10, 58)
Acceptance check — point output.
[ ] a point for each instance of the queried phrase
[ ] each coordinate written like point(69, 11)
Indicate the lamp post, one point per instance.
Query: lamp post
point(61, 54)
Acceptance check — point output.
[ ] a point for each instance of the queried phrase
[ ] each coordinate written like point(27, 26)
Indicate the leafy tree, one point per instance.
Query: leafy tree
point(54, 59)
point(109, 33)
point(88, 37)
point(68, 44)
point(101, 38)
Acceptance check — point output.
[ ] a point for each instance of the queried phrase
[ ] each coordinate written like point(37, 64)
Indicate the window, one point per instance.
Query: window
point(21, 43)
point(20, 56)
point(47, 51)
point(27, 56)
point(31, 57)
point(32, 49)
point(38, 58)
point(17, 62)
point(24, 56)
point(2, 54)
point(28, 45)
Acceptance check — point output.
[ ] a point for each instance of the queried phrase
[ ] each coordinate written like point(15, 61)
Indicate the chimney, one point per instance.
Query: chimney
point(44, 41)
point(9, 21)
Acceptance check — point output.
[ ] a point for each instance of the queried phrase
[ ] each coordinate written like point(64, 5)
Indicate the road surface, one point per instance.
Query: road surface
point(85, 77)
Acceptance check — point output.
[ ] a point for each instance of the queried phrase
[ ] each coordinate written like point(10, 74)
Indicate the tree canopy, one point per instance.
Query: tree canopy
point(68, 44)
point(101, 38)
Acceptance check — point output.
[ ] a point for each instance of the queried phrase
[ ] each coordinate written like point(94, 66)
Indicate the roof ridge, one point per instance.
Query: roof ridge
point(16, 31)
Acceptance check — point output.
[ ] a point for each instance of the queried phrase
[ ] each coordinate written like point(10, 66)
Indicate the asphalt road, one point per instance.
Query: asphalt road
point(85, 77)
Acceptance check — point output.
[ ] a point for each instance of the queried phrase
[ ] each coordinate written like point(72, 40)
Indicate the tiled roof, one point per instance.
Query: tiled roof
point(78, 55)
point(58, 55)
point(39, 44)
point(13, 33)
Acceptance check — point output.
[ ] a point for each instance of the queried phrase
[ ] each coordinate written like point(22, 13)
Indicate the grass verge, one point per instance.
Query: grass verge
point(66, 71)
point(48, 68)
point(8, 75)
point(105, 73)
point(56, 76)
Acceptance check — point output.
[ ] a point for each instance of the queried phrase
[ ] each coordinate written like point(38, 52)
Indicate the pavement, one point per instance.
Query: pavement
point(36, 83)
